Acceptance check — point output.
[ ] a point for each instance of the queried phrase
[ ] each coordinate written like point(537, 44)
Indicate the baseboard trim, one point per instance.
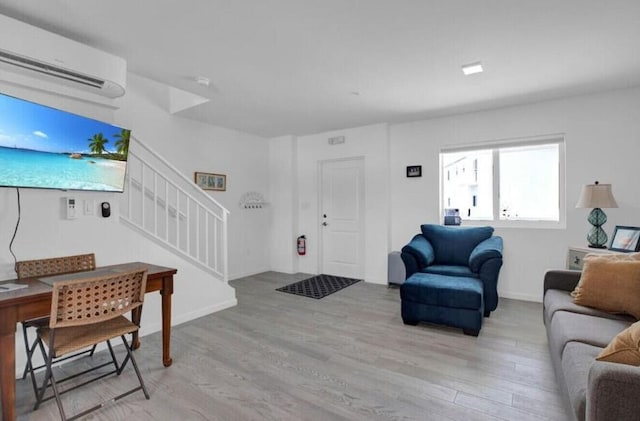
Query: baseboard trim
point(183, 318)
point(521, 297)
point(245, 274)
point(288, 271)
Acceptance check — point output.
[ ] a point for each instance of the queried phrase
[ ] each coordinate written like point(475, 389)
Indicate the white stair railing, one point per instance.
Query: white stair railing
point(164, 205)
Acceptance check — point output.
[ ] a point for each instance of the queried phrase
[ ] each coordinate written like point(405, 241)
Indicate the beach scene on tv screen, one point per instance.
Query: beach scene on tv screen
point(43, 147)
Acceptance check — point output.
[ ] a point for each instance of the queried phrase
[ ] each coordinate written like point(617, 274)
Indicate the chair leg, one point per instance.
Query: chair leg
point(113, 358)
point(135, 367)
point(30, 367)
point(487, 313)
point(26, 347)
point(54, 386)
point(48, 377)
point(126, 357)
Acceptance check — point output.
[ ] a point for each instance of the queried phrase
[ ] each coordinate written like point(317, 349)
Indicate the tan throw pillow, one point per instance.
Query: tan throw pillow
point(611, 285)
point(624, 348)
point(607, 257)
point(613, 257)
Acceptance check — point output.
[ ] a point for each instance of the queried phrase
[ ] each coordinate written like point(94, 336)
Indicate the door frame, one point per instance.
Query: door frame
point(363, 200)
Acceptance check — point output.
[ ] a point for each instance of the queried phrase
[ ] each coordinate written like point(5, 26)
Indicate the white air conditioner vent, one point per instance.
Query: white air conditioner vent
point(50, 70)
point(32, 51)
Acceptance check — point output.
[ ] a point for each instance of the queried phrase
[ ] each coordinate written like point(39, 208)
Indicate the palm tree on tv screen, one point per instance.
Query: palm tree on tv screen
point(97, 142)
point(122, 142)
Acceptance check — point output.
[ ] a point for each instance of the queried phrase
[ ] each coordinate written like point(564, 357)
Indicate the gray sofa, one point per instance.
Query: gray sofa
point(593, 390)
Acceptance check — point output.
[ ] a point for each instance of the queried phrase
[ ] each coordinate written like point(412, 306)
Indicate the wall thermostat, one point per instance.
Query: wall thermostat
point(106, 209)
point(70, 207)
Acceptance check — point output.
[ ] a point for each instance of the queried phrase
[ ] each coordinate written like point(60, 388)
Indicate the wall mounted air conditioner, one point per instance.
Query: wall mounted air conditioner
point(32, 51)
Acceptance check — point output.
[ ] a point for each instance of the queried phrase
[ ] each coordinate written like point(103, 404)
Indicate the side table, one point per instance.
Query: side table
point(575, 256)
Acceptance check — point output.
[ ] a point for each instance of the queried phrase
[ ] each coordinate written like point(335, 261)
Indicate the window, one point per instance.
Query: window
point(510, 183)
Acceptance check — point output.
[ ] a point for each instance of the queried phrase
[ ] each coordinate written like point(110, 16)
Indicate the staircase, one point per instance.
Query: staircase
point(167, 207)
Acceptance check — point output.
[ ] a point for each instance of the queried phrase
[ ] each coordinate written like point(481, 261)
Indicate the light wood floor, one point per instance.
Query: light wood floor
point(348, 356)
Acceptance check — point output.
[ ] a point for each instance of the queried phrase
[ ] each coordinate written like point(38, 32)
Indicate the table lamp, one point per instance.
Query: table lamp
point(597, 196)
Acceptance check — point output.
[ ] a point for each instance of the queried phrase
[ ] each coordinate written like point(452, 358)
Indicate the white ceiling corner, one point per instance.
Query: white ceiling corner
point(289, 67)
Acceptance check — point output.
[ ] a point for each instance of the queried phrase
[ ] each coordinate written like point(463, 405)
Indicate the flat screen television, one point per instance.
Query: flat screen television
point(42, 147)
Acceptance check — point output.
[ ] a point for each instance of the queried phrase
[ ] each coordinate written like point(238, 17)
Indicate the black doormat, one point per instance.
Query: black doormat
point(318, 286)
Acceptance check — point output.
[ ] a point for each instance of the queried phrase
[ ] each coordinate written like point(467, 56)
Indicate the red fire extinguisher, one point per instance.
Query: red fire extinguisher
point(302, 245)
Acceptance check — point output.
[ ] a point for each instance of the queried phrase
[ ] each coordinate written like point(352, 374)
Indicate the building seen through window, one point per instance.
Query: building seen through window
point(506, 182)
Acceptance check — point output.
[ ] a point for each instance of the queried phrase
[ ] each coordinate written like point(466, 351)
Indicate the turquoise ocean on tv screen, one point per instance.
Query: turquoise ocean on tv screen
point(43, 147)
point(27, 168)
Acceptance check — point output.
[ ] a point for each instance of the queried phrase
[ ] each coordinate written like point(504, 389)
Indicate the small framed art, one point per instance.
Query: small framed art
point(208, 181)
point(625, 239)
point(414, 171)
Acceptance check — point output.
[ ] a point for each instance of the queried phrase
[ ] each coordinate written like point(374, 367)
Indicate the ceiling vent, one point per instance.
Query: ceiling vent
point(32, 51)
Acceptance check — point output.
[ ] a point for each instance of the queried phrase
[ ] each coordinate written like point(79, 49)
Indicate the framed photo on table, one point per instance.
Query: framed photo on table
point(625, 239)
point(209, 181)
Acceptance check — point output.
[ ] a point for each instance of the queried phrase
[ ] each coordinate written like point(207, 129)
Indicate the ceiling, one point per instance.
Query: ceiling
point(280, 67)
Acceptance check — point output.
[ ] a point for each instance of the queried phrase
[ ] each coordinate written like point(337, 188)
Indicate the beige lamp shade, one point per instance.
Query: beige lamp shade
point(596, 196)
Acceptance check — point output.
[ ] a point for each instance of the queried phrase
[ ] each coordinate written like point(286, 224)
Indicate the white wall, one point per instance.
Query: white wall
point(189, 146)
point(602, 137)
point(370, 143)
point(283, 196)
point(602, 143)
point(192, 146)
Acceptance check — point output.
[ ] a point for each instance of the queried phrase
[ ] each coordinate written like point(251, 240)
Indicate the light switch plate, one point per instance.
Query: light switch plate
point(89, 207)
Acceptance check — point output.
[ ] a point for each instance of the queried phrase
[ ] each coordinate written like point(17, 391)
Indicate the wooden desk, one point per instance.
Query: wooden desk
point(35, 301)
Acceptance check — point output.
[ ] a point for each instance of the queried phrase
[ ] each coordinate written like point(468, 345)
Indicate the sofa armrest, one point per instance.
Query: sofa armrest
point(491, 248)
point(565, 280)
point(612, 392)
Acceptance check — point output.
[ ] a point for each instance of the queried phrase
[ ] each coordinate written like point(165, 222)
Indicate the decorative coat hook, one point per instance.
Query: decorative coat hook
point(252, 200)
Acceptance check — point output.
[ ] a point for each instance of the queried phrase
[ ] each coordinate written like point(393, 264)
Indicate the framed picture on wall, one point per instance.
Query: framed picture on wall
point(626, 239)
point(209, 181)
point(414, 171)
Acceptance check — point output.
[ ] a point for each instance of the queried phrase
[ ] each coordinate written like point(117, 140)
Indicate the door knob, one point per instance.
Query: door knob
point(324, 224)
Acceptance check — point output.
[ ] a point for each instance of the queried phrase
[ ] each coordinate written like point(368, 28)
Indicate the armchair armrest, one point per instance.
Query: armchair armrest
point(417, 255)
point(565, 280)
point(490, 248)
point(420, 248)
point(612, 392)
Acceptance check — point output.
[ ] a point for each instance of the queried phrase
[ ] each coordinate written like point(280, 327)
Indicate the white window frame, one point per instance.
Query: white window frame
point(495, 146)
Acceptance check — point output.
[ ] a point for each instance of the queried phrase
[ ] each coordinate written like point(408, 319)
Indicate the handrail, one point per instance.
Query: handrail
point(159, 206)
point(179, 174)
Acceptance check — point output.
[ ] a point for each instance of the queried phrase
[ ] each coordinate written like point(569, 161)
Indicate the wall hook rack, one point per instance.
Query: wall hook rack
point(252, 200)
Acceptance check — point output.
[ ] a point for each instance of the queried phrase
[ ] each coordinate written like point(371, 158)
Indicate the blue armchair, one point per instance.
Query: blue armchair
point(451, 272)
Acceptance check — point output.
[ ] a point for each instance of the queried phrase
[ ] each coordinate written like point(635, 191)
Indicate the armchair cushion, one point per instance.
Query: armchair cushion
point(443, 291)
point(490, 248)
point(421, 250)
point(453, 245)
point(449, 270)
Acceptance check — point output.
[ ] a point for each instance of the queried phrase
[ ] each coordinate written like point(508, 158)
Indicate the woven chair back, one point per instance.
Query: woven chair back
point(56, 265)
point(79, 302)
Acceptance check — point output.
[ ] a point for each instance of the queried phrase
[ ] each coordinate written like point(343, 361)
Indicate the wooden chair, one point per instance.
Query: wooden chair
point(85, 312)
point(49, 267)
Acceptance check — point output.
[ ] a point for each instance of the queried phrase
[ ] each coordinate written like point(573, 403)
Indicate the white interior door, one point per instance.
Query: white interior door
point(342, 217)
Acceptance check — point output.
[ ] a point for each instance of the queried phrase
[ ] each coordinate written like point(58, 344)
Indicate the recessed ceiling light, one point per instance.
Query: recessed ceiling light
point(204, 81)
point(469, 69)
